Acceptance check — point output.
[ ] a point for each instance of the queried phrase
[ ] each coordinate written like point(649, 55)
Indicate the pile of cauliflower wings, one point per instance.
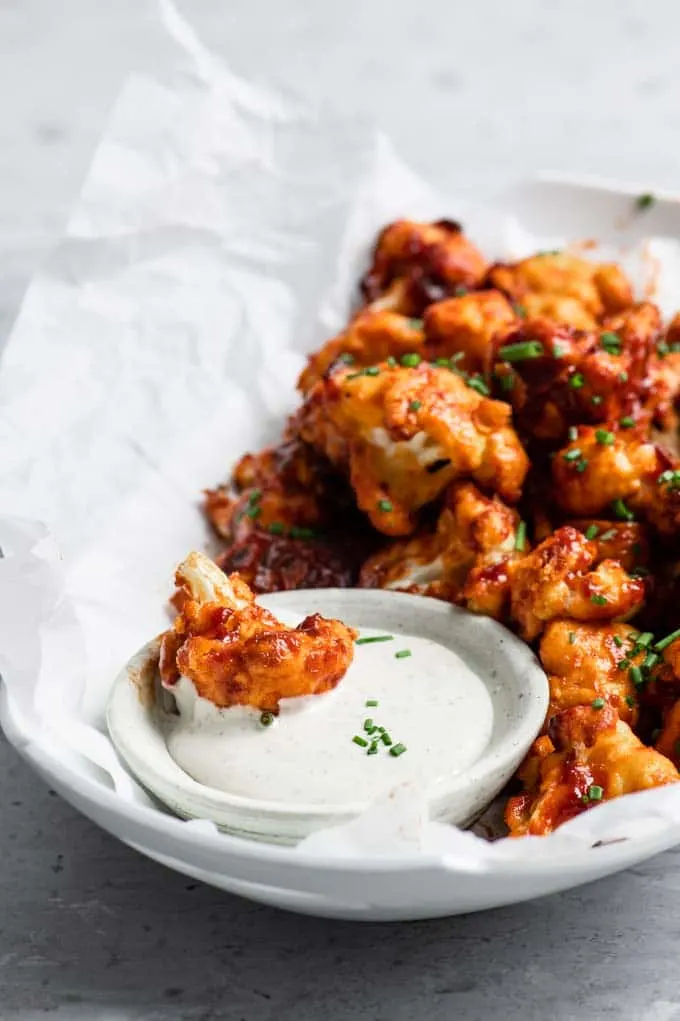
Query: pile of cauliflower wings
point(503, 437)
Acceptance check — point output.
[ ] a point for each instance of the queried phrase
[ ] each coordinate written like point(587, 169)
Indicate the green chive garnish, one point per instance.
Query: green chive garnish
point(618, 642)
point(521, 352)
point(374, 638)
point(478, 384)
point(662, 349)
point(298, 532)
point(519, 309)
point(572, 455)
point(576, 381)
point(373, 750)
point(644, 640)
point(635, 674)
point(392, 361)
point(507, 383)
point(623, 377)
point(460, 291)
point(644, 201)
point(597, 703)
point(630, 701)
point(627, 422)
point(266, 719)
point(347, 358)
point(572, 637)
point(277, 528)
point(362, 742)
point(402, 654)
point(650, 660)
point(665, 642)
point(416, 324)
point(621, 511)
point(372, 370)
point(368, 724)
point(582, 465)
point(596, 399)
point(397, 750)
point(411, 361)
point(604, 437)
point(611, 342)
point(385, 738)
point(415, 405)
point(595, 792)
point(253, 511)
point(521, 536)
point(371, 702)
point(591, 531)
point(598, 600)
point(385, 506)
point(611, 533)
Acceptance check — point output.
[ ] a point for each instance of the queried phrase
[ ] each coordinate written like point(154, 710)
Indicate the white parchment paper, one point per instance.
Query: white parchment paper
point(218, 237)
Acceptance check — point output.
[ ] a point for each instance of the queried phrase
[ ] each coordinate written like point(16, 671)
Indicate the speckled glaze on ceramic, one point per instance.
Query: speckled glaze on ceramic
point(517, 686)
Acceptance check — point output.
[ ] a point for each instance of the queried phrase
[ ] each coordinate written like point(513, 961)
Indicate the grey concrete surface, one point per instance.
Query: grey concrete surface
point(473, 94)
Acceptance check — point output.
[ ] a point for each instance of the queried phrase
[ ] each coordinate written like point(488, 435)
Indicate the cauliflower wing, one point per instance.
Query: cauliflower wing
point(404, 433)
point(237, 653)
point(561, 578)
point(594, 757)
point(596, 288)
point(467, 328)
point(415, 264)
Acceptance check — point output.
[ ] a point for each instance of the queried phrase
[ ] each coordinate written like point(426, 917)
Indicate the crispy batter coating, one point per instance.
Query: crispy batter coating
point(237, 653)
point(625, 541)
point(403, 434)
point(560, 579)
point(596, 757)
point(598, 288)
point(415, 264)
point(372, 336)
point(467, 327)
point(590, 662)
point(464, 560)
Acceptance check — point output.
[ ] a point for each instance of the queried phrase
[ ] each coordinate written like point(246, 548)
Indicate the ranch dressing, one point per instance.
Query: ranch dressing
point(429, 701)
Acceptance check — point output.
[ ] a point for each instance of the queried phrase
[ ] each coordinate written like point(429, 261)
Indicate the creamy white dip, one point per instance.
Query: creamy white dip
point(430, 702)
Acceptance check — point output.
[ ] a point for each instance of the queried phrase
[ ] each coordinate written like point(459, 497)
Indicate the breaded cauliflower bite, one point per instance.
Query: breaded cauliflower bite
point(237, 653)
point(464, 560)
point(561, 578)
point(594, 289)
point(467, 328)
point(403, 433)
point(415, 264)
point(590, 756)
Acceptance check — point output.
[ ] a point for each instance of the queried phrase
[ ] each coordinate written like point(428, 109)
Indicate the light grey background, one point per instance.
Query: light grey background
point(474, 95)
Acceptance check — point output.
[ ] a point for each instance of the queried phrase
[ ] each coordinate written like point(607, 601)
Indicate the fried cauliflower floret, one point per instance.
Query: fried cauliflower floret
point(287, 486)
point(583, 666)
point(625, 541)
point(596, 757)
point(560, 579)
point(415, 264)
point(403, 434)
point(466, 327)
point(600, 466)
point(464, 560)
point(372, 336)
point(558, 308)
point(599, 288)
point(237, 653)
point(615, 470)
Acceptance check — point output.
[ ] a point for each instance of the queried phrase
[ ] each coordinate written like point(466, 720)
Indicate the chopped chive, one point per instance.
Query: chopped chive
point(618, 641)
point(416, 324)
point(572, 434)
point(374, 638)
point(572, 637)
point(255, 495)
point(522, 351)
point(598, 599)
point(623, 377)
point(361, 741)
point(460, 291)
point(644, 201)
point(521, 536)
point(559, 350)
point(572, 455)
point(621, 511)
point(397, 750)
point(253, 511)
point(391, 361)
point(662, 349)
point(402, 654)
point(650, 660)
point(347, 358)
point(277, 528)
point(385, 738)
point(595, 792)
point(373, 750)
point(373, 730)
point(630, 701)
point(457, 357)
point(596, 399)
point(368, 724)
point(604, 437)
point(611, 533)
point(644, 640)
point(371, 702)
point(411, 360)
point(665, 642)
point(519, 309)
point(385, 506)
point(415, 405)
point(299, 532)
point(635, 674)
point(477, 383)
point(442, 363)
point(582, 465)
point(576, 381)
point(597, 703)
point(507, 383)
point(266, 719)
point(591, 531)
point(627, 422)
point(372, 370)
point(611, 342)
